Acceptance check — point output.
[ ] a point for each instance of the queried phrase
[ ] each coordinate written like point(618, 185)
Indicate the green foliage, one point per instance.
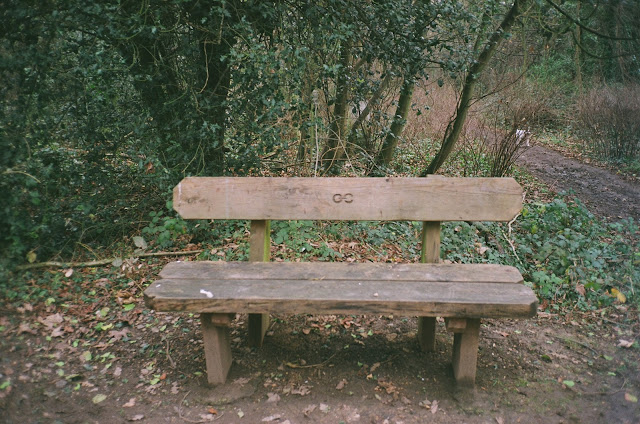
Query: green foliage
point(165, 230)
point(573, 257)
point(302, 239)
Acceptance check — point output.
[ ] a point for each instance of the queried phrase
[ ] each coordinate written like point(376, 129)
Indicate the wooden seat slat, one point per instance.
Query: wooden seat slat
point(468, 273)
point(446, 299)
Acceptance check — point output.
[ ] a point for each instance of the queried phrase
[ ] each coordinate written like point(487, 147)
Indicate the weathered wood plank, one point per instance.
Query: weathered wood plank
point(284, 271)
point(491, 300)
point(430, 253)
point(217, 347)
point(465, 353)
point(456, 325)
point(414, 199)
point(260, 241)
point(259, 251)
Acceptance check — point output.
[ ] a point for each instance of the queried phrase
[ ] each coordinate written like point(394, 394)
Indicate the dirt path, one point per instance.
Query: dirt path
point(603, 192)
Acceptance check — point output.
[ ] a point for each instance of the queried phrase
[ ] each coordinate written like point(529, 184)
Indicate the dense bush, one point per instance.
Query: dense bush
point(610, 124)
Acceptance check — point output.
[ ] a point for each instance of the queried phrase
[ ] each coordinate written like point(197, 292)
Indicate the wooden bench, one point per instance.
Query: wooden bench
point(461, 293)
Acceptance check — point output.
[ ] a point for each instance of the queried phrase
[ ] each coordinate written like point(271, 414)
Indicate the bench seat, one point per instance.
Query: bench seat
point(445, 290)
point(461, 293)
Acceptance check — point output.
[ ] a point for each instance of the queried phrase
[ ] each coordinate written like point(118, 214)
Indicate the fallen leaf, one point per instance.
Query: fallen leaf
point(117, 335)
point(302, 390)
point(137, 417)
point(630, 398)
point(57, 332)
point(140, 242)
point(240, 414)
point(99, 398)
point(273, 397)
point(68, 273)
point(568, 383)
point(374, 367)
point(130, 404)
point(241, 381)
point(52, 320)
point(434, 406)
point(24, 328)
point(481, 250)
point(625, 343)
point(341, 384)
point(271, 418)
point(309, 409)
point(618, 295)
point(212, 410)
point(324, 408)
point(31, 257)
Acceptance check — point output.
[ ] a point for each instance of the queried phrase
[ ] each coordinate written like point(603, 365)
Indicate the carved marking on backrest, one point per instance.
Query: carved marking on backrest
point(347, 198)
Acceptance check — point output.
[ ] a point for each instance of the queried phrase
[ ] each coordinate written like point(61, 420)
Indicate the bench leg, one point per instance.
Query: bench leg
point(465, 353)
point(258, 326)
point(217, 346)
point(427, 333)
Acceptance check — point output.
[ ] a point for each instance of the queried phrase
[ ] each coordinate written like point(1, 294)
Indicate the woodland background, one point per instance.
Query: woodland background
point(107, 105)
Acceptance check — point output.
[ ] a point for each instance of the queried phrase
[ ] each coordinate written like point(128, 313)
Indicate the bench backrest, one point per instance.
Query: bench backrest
point(431, 200)
point(384, 199)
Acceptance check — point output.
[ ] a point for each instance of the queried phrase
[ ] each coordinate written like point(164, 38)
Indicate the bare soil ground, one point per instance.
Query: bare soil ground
point(95, 363)
point(318, 369)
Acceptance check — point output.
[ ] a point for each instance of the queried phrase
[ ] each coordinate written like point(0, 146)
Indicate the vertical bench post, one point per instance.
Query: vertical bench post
point(465, 353)
point(430, 254)
point(217, 346)
point(259, 251)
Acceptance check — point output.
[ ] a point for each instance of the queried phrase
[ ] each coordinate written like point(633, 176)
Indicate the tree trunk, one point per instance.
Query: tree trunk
point(334, 149)
point(397, 126)
point(372, 103)
point(577, 54)
point(454, 129)
point(213, 78)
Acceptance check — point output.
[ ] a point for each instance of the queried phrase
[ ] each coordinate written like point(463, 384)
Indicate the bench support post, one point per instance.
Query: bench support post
point(259, 251)
point(217, 346)
point(465, 353)
point(430, 254)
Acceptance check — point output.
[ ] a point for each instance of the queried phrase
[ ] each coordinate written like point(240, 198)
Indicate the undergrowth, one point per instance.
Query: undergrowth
point(571, 258)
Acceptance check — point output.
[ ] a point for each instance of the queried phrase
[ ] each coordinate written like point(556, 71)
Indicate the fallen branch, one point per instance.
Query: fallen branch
point(321, 364)
point(579, 343)
point(55, 264)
